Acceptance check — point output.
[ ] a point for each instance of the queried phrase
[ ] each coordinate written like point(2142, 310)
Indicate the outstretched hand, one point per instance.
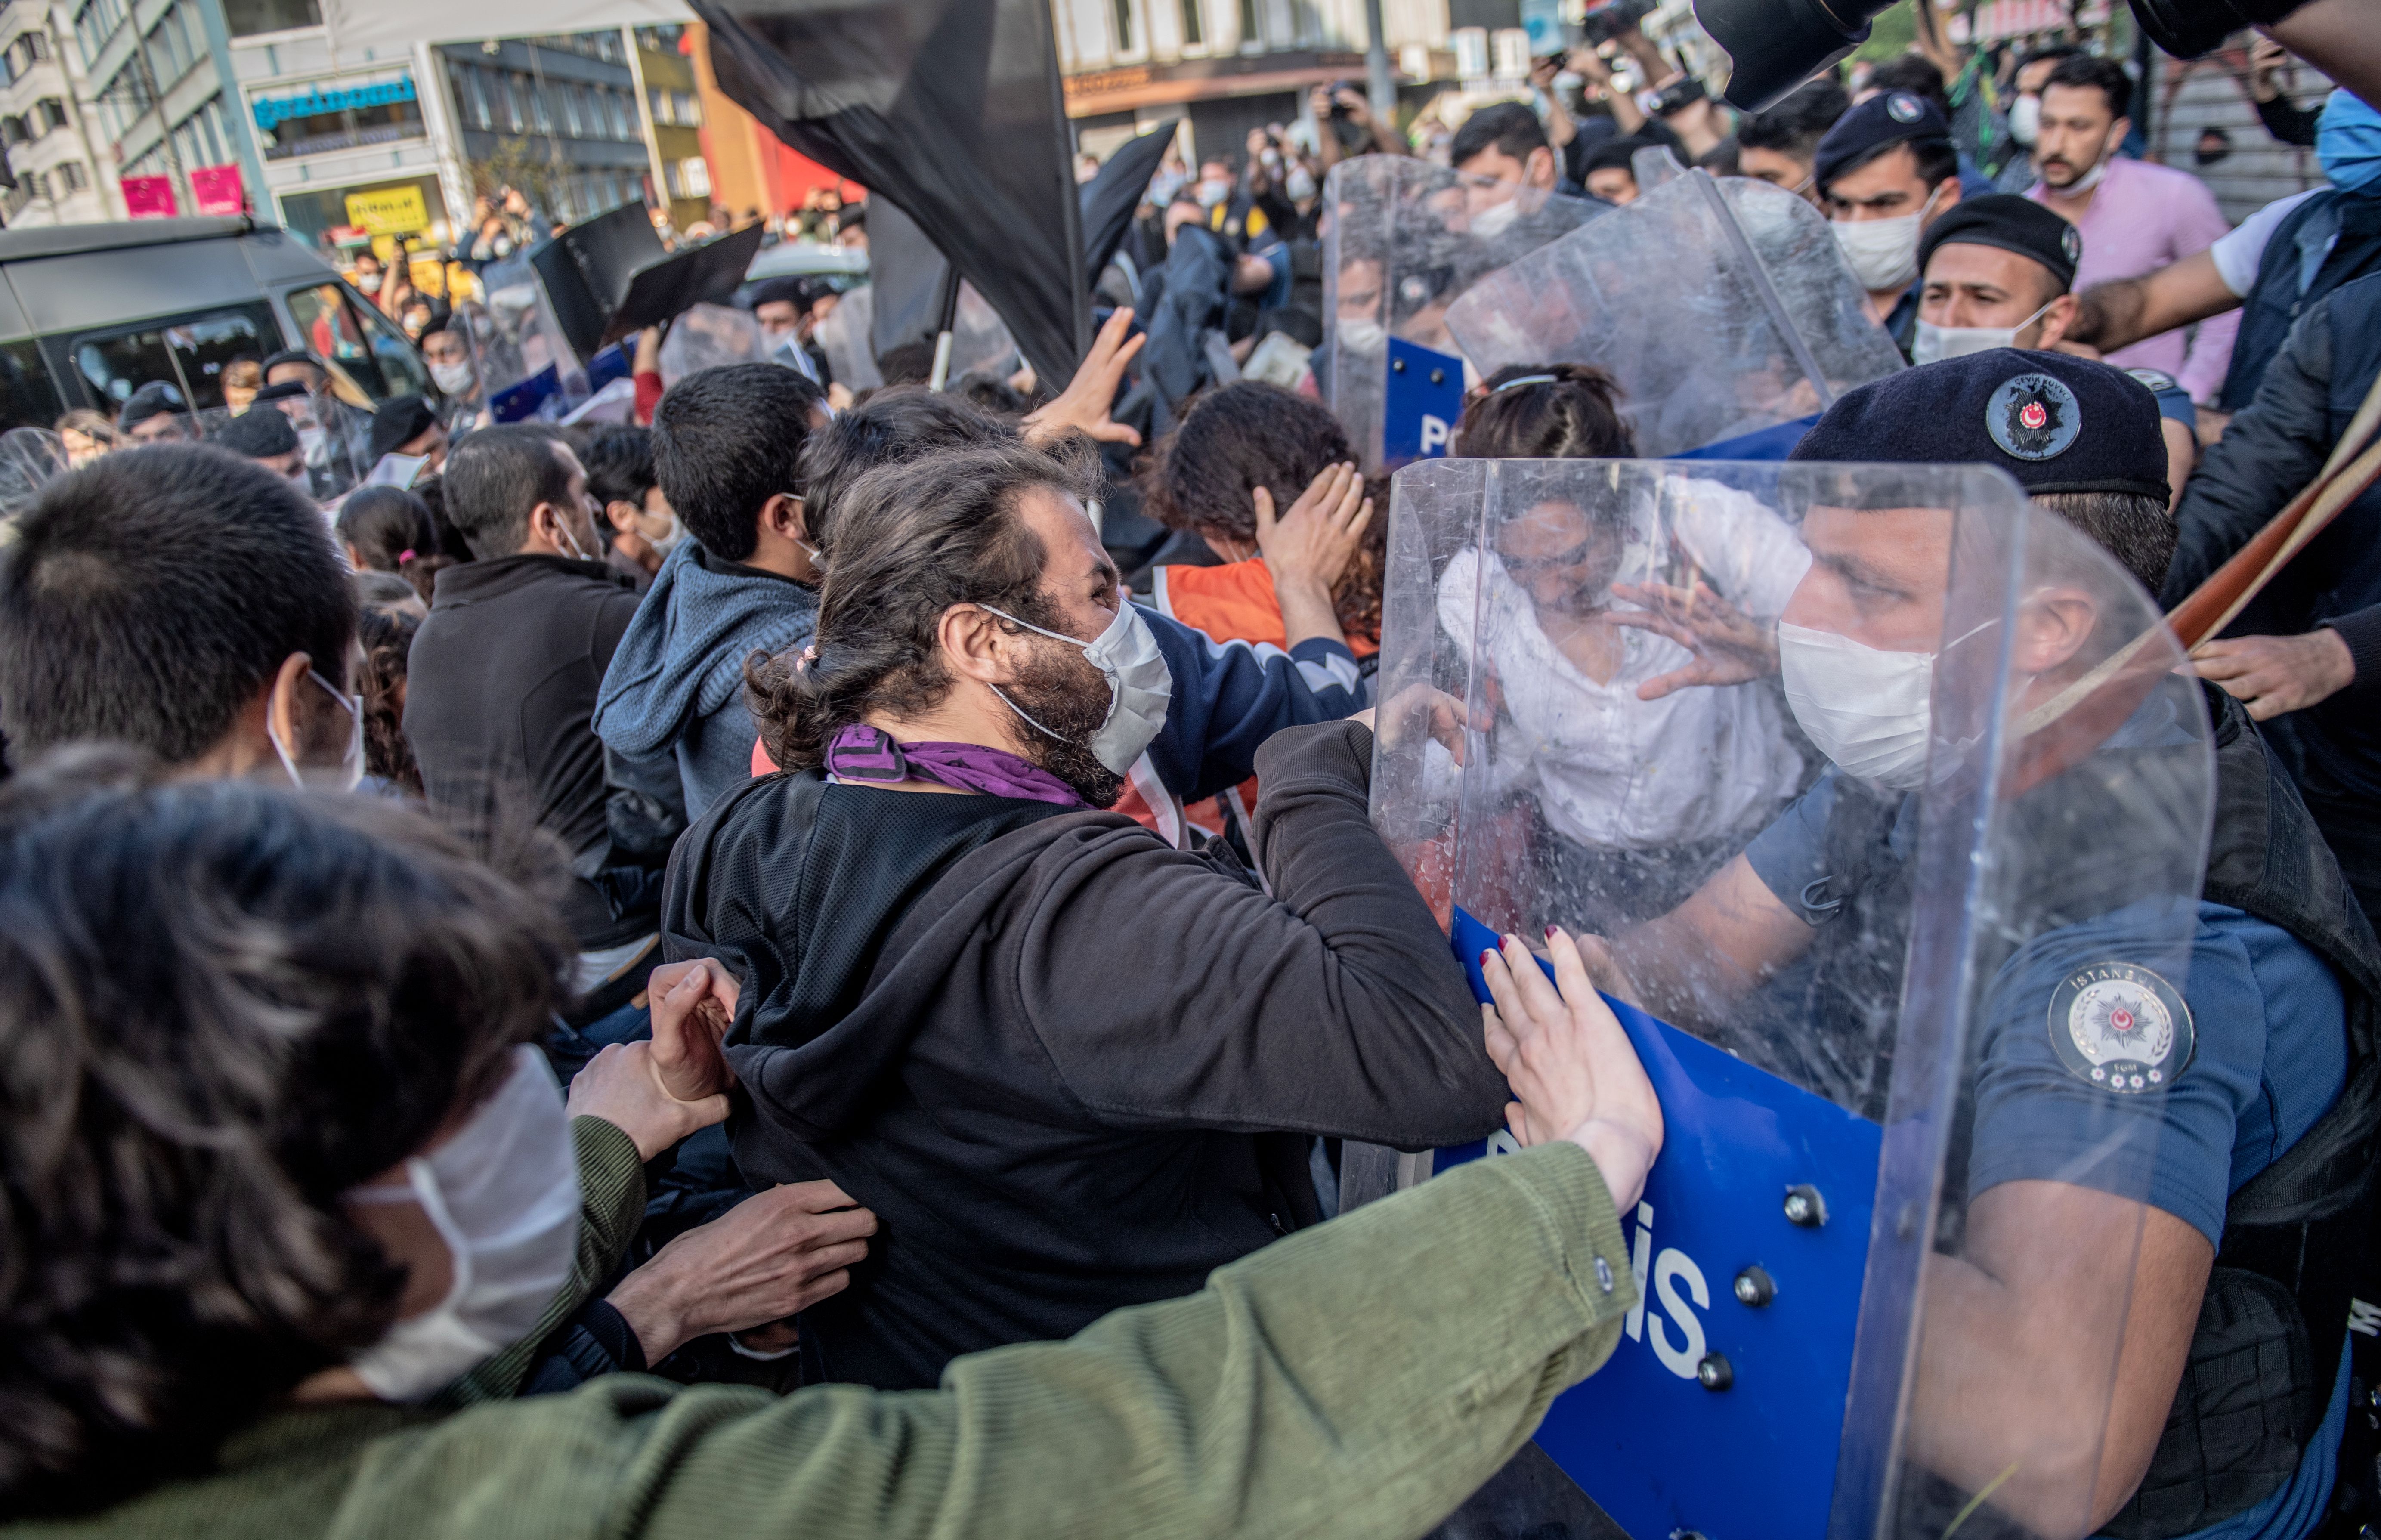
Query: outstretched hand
point(1730, 646)
point(1573, 1071)
point(1420, 708)
point(1084, 404)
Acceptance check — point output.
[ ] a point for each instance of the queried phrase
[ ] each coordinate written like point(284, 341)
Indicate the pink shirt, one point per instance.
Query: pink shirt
point(2141, 217)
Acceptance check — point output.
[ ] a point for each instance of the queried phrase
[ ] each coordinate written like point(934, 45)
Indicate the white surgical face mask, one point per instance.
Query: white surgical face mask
point(1213, 193)
point(455, 379)
point(2089, 180)
point(503, 1193)
point(1496, 219)
point(1362, 334)
point(1933, 344)
point(2025, 119)
point(368, 283)
point(1139, 685)
point(668, 543)
point(1299, 183)
point(350, 771)
point(1883, 253)
point(1868, 710)
point(315, 443)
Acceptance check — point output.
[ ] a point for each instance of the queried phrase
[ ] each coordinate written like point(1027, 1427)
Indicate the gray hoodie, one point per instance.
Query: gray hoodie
point(676, 683)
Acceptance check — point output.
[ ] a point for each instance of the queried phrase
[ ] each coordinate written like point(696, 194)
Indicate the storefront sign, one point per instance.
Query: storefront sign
point(393, 211)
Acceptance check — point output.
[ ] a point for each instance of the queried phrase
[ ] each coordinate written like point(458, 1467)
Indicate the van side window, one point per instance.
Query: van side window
point(360, 340)
point(187, 352)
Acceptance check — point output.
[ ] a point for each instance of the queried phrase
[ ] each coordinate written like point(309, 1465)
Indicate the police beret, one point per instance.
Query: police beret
point(153, 399)
point(1893, 117)
point(2012, 224)
point(2054, 423)
point(400, 421)
point(259, 434)
point(781, 291)
point(287, 390)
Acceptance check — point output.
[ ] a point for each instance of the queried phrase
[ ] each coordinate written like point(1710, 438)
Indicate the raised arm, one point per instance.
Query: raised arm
point(2113, 315)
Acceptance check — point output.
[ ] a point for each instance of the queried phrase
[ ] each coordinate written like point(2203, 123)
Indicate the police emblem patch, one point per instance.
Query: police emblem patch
point(1902, 107)
point(2121, 1028)
point(2070, 241)
point(2033, 416)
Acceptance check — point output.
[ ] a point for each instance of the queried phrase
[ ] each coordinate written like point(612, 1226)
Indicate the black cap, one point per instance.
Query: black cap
point(2013, 224)
point(287, 390)
point(1892, 117)
point(289, 355)
point(151, 401)
point(781, 291)
point(400, 421)
point(259, 434)
point(2054, 423)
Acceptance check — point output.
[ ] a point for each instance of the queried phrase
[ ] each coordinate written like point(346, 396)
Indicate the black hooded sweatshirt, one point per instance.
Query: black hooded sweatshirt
point(1069, 1068)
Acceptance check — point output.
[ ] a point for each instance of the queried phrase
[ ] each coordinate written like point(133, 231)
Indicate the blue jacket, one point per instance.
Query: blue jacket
point(676, 686)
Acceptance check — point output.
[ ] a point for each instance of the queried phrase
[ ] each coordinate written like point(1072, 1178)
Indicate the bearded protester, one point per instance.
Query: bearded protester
point(307, 1169)
point(1072, 1067)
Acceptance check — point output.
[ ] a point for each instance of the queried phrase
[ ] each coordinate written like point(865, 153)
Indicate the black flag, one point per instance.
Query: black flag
point(1110, 197)
point(949, 109)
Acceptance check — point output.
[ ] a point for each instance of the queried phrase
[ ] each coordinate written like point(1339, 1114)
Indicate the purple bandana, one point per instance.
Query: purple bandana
point(860, 753)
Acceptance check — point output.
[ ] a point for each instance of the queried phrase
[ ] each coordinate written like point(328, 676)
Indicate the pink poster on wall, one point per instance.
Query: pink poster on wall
point(150, 198)
point(217, 189)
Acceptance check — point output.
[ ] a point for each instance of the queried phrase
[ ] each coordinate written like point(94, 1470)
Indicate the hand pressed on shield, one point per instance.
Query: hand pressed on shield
point(1421, 708)
point(1730, 646)
point(1573, 1071)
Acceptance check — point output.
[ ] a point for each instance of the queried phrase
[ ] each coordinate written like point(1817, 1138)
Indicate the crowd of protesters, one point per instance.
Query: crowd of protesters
point(806, 958)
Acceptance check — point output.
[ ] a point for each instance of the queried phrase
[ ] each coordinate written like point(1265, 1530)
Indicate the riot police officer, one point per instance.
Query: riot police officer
point(2228, 1081)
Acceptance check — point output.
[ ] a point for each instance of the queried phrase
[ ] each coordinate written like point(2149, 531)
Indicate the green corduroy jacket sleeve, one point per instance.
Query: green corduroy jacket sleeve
point(1358, 1379)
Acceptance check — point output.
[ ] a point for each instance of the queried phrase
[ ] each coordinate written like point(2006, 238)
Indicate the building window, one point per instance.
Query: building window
point(248, 18)
point(690, 109)
point(71, 176)
point(53, 113)
point(12, 131)
point(1251, 32)
point(1121, 11)
point(1194, 24)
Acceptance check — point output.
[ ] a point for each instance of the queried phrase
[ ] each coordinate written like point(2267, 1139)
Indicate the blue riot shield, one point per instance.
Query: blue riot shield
point(1881, 792)
point(1405, 240)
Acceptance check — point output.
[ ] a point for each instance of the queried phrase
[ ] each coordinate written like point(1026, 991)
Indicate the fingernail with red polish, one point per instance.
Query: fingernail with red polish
point(1550, 933)
point(1484, 955)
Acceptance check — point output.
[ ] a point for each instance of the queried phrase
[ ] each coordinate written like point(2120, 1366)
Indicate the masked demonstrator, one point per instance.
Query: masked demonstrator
point(1069, 1067)
point(2230, 1106)
point(1885, 172)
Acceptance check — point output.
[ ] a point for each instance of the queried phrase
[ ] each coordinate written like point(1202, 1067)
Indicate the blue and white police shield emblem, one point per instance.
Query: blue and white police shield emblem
point(2121, 1028)
point(1902, 107)
point(2033, 416)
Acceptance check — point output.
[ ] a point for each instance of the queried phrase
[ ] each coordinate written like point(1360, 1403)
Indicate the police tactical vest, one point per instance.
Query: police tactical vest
point(2266, 1350)
point(2284, 287)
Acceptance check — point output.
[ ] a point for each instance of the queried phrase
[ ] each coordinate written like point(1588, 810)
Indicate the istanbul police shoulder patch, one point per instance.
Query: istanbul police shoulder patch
point(2121, 1028)
point(2033, 416)
point(1902, 107)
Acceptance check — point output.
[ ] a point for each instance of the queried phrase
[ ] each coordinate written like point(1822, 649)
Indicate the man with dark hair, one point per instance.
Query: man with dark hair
point(1778, 146)
point(1885, 172)
point(502, 682)
point(269, 439)
point(1507, 143)
point(2025, 113)
point(1006, 966)
point(296, 363)
point(728, 450)
point(185, 601)
point(788, 309)
point(620, 477)
point(2135, 217)
point(407, 425)
point(1611, 169)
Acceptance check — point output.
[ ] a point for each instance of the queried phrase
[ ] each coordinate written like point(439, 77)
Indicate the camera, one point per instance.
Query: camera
point(1678, 94)
point(1605, 23)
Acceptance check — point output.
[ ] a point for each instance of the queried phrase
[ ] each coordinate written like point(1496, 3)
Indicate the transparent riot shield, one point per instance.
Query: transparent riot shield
point(844, 334)
point(1405, 241)
point(707, 337)
point(526, 365)
point(29, 460)
point(1883, 790)
point(1720, 307)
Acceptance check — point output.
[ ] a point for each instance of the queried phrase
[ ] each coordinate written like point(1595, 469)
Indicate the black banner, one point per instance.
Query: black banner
point(949, 109)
